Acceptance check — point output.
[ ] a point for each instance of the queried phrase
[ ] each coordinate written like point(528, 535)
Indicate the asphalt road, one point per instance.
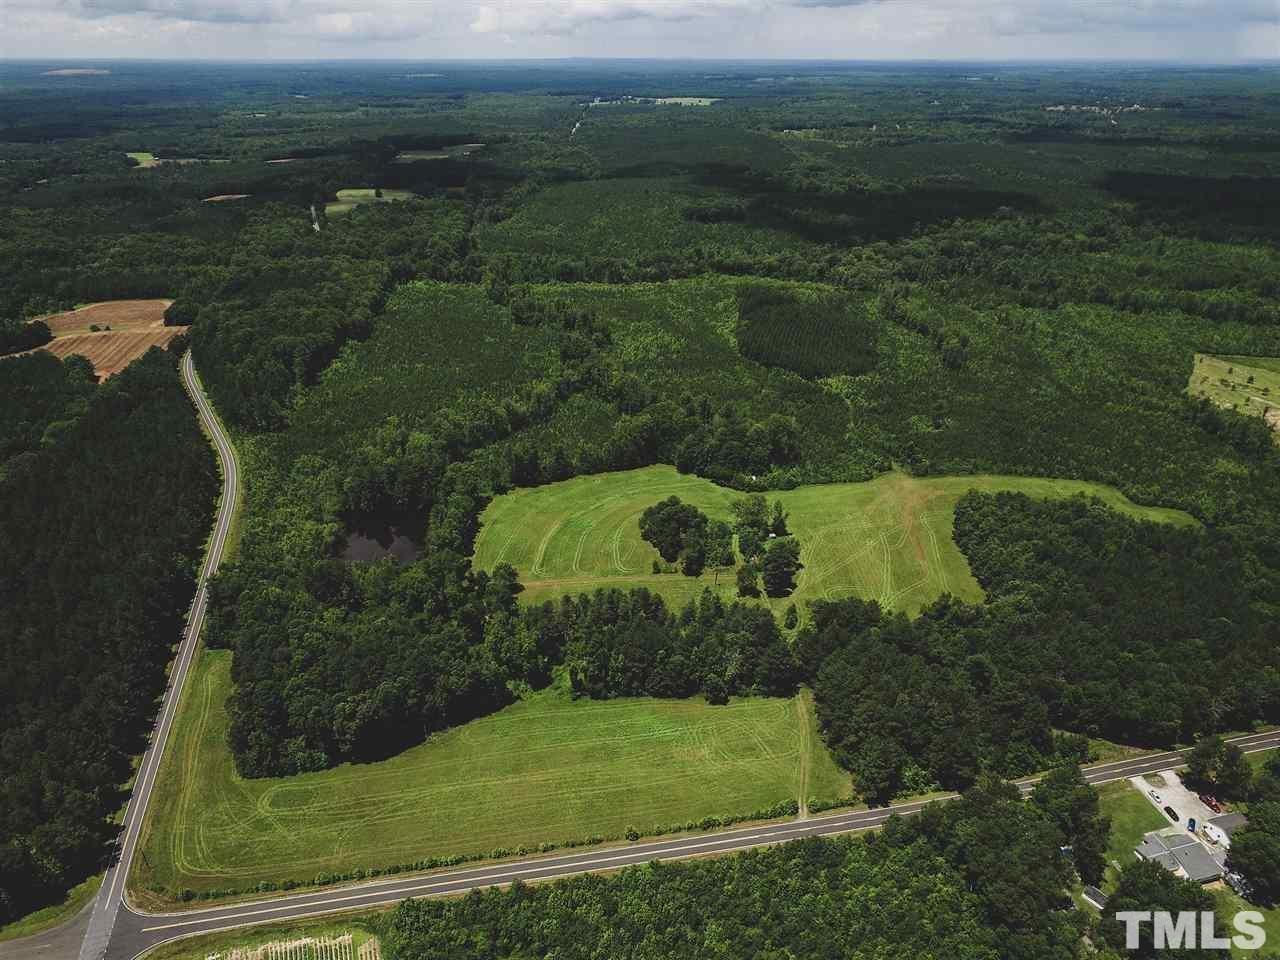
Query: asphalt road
point(118, 931)
point(137, 931)
point(103, 932)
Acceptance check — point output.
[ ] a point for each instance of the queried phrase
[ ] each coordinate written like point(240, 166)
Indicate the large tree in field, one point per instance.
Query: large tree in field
point(781, 564)
point(671, 525)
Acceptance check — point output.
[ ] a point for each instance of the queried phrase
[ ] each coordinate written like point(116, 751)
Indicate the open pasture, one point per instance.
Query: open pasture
point(349, 199)
point(889, 539)
point(443, 153)
point(547, 769)
point(135, 327)
point(1250, 385)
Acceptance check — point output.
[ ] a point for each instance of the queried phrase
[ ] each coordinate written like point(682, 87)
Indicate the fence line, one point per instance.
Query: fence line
point(307, 948)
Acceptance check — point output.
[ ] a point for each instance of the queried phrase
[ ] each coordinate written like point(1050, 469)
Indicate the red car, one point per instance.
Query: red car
point(1211, 803)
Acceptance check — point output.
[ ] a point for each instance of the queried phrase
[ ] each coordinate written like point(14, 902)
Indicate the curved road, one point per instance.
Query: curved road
point(118, 931)
point(111, 897)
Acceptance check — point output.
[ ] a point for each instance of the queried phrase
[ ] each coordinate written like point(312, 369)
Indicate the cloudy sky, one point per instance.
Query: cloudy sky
point(1201, 30)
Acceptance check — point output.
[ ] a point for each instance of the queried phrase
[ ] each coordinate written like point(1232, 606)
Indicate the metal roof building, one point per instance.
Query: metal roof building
point(1180, 853)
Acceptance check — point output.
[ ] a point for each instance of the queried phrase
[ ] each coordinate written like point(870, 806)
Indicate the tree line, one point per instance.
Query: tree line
point(101, 525)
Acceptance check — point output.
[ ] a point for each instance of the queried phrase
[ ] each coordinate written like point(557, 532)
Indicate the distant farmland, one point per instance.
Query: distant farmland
point(889, 539)
point(126, 329)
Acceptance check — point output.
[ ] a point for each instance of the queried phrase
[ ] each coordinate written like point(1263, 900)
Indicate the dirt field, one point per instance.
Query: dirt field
point(136, 326)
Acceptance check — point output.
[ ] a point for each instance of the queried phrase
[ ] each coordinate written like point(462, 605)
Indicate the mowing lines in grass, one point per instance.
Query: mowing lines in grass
point(889, 539)
point(545, 770)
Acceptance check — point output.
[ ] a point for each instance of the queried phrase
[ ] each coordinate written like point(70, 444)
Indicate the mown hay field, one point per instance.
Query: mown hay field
point(889, 539)
point(544, 770)
point(126, 330)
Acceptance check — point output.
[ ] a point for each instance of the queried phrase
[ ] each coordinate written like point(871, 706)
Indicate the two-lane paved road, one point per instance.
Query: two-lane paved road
point(117, 931)
point(107, 905)
point(137, 931)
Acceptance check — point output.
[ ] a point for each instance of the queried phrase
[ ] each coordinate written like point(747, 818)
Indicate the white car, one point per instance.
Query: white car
point(1155, 796)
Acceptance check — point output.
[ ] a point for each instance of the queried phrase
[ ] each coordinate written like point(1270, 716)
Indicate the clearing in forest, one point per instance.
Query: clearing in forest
point(1249, 385)
point(351, 198)
point(544, 770)
point(126, 329)
point(442, 153)
point(889, 539)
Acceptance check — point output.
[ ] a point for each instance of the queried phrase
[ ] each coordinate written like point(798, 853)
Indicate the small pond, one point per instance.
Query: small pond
point(370, 543)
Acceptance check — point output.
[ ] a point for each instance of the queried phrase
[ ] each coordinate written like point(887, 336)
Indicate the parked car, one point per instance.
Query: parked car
point(1211, 803)
point(1154, 796)
point(1191, 824)
point(1172, 814)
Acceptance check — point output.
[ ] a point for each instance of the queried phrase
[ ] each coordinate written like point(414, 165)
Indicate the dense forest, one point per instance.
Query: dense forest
point(811, 280)
point(102, 518)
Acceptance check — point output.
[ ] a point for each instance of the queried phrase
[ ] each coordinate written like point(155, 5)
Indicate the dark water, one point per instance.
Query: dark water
point(369, 544)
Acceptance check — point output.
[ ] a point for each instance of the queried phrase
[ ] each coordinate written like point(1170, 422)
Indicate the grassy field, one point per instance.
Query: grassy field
point(444, 153)
point(548, 769)
point(145, 158)
point(1132, 815)
point(1247, 384)
point(349, 199)
point(889, 539)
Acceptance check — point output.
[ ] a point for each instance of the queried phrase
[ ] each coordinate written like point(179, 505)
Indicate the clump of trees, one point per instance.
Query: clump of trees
point(1145, 885)
point(16, 335)
point(681, 532)
point(619, 644)
point(768, 552)
point(1215, 766)
point(1255, 848)
point(729, 446)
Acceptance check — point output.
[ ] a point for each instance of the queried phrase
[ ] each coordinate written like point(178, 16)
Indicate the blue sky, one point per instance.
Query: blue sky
point(1188, 30)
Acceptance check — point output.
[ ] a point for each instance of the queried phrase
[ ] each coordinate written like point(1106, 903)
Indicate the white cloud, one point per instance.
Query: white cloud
point(872, 29)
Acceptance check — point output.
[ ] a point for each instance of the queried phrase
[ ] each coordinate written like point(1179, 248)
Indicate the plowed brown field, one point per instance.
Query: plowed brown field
point(136, 326)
